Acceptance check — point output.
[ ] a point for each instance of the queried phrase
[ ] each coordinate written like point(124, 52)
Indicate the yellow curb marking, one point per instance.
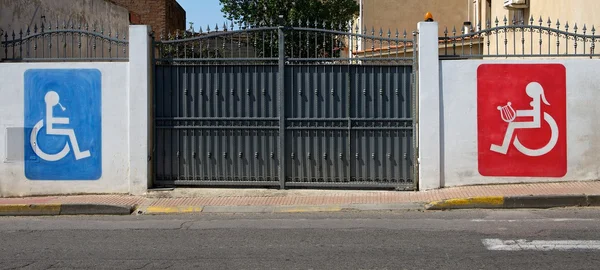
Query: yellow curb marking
point(310, 209)
point(477, 201)
point(173, 209)
point(30, 208)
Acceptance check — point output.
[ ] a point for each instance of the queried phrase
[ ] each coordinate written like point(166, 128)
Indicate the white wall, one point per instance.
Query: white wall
point(114, 108)
point(459, 139)
point(125, 126)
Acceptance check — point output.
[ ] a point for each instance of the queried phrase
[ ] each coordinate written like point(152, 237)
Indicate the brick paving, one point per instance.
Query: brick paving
point(333, 197)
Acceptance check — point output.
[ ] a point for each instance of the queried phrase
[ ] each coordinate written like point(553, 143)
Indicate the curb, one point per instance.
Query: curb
point(160, 210)
point(64, 209)
point(513, 202)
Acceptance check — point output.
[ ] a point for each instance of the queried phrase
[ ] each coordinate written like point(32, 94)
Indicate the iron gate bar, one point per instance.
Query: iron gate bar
point(228, 96)
point(281, 100)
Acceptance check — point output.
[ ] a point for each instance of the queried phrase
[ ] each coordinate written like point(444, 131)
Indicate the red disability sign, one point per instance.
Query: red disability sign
point(522, 120)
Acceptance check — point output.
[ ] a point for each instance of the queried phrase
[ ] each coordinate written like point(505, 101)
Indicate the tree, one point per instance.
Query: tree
point(324, 14)
point(336, 12)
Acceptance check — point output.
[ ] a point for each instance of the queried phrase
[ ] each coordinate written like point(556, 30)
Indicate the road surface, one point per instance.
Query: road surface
point(498, 239)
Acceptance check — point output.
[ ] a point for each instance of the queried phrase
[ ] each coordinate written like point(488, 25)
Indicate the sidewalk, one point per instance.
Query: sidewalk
point(194, 200)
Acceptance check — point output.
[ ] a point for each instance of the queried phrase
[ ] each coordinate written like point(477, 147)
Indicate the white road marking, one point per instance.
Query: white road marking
point(534, 220)
point(540, 245)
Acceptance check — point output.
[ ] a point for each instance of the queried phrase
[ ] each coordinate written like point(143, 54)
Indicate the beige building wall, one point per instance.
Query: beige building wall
point(405, 14)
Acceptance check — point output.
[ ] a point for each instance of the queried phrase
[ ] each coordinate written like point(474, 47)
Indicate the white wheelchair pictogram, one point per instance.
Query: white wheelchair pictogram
point(535, 91)
point(52, 99)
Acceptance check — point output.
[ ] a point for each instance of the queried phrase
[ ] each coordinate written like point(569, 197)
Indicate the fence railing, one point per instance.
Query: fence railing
point(532, 38)
point(64, 42)
point(303, 42)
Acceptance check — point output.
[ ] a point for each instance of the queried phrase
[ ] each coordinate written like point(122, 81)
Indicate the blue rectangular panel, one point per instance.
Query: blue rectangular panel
point(63, 124)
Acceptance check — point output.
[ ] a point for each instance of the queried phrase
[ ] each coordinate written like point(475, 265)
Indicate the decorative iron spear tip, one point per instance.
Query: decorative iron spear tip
point(324, 24)
point(497, 21)
point(13, 34)
point(557, 24)
point(531, 20)
point(50, 25)
point(446, 30)
point(380, 31)
point(315, 23)
point(27, 32)
point(389, 33)
point(356, 27)
point(549, 22)
point(207, 28)
point(224, 26)
point(567, 26)
point(593, 30)
point(488, 24)
point(200, 30)
point(575, 28)
point(398, 33)
point(541, 20)
point(35, 28)
point(584, 28)
point(216, 27)
point(454, 31)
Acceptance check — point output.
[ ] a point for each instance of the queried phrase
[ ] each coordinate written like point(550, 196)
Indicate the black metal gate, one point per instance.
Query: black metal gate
point(285, 106)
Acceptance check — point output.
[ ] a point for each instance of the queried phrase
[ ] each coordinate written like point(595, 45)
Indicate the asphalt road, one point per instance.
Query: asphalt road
point(563, 239)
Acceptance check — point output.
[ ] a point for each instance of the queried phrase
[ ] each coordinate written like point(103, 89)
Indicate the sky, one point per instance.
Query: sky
point(202, 13)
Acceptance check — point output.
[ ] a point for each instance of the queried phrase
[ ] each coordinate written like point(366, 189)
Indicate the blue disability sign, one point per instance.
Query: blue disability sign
point(63, 124)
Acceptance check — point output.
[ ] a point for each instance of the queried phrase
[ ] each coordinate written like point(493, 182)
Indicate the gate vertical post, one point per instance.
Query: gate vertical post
point(140, 106)
point(281, 103)
point(429, 118)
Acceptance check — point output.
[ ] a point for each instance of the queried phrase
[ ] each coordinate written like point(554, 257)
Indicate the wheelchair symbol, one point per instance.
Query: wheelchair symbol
point(52, 99)
point(535, 91)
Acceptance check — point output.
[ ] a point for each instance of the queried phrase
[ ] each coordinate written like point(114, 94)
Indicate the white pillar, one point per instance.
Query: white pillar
point(428, 126)
point(140, 103)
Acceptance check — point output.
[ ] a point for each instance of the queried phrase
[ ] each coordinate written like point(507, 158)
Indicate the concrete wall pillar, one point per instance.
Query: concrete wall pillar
point(140, 98)
point(429, 121)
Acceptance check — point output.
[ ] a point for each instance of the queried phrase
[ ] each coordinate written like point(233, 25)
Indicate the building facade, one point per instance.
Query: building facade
point(164, 16)
point(18, 15)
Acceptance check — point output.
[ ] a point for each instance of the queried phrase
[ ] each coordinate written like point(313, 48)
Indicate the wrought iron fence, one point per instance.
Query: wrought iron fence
point(305, 43)
point(532, 38)
point(293, 105)
point(62, 42)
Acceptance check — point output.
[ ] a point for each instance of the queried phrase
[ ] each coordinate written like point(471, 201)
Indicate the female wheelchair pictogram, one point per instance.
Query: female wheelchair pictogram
point(52, 99)
point(535, 91)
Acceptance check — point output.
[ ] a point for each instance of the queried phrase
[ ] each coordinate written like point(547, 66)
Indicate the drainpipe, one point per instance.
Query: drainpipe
point(477, 14)
point(469, 10)
point(360, 23)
